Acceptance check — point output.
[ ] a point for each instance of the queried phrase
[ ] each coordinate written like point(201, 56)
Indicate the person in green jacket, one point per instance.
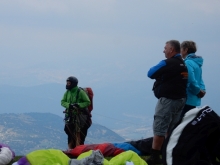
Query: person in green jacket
point(75, 101)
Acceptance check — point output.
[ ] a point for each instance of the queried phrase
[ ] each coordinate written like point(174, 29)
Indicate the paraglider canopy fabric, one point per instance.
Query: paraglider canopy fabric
point(107, 149)
point(48, 157)
point(122, 158)
point(5, 155)
point(127, 157)
point(5, 145)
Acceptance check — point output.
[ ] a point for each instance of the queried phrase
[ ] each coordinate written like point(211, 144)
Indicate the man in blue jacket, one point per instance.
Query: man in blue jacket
point(170, 88)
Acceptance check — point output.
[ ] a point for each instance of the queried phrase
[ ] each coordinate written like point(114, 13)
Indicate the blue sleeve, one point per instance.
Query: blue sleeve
point(156, 68)
point(193, 84)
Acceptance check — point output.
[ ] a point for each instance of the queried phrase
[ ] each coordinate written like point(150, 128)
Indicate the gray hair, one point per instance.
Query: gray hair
point(175, 44)
point(190, 45)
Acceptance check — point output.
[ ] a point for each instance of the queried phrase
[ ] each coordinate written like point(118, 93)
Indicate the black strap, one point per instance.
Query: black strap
point(77, 94)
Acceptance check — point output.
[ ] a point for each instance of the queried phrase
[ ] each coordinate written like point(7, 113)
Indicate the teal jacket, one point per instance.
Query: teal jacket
point(69, 97)
point(195, 82)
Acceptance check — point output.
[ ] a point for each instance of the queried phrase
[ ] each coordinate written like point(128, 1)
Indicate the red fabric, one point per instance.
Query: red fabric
point(90, 94)
point(107, 149)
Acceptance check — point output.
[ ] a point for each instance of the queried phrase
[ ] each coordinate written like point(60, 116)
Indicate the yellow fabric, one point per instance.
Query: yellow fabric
point(84, 155)
point(57, 157)
point(87, 154)
point(127, 156)
point(48, 157)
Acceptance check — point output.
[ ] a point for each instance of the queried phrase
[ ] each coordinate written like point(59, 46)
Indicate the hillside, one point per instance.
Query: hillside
point(26, 132)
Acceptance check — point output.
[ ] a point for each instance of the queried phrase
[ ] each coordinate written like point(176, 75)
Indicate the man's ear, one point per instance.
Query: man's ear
point(171, 49)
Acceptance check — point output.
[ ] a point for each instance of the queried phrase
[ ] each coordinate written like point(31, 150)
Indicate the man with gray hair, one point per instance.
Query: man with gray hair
point(170, 89)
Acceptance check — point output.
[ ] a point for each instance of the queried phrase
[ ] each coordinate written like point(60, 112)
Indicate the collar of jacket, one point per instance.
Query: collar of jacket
point(177, 55)
point(74, 89)
point(190, 55)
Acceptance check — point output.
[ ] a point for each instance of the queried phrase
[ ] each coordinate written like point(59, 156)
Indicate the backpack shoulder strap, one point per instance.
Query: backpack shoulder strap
point(77, 94)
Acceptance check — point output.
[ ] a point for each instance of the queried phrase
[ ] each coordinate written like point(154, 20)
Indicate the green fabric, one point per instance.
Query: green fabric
point(87, 154)
point(48, 157)
point(84, 155)
point(127, 156)
point(69, 97)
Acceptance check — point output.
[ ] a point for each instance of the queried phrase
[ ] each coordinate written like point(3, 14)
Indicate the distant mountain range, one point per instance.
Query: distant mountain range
point(129, 112)
point(27, 132)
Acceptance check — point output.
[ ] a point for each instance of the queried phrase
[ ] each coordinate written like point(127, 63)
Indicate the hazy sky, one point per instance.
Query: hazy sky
point(103, 42)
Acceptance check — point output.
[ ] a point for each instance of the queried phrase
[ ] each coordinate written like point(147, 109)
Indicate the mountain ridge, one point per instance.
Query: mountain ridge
point(26, 132)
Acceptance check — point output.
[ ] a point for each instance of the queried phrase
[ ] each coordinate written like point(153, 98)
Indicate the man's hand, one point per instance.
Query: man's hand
point(73, 106)
point(201, 94)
